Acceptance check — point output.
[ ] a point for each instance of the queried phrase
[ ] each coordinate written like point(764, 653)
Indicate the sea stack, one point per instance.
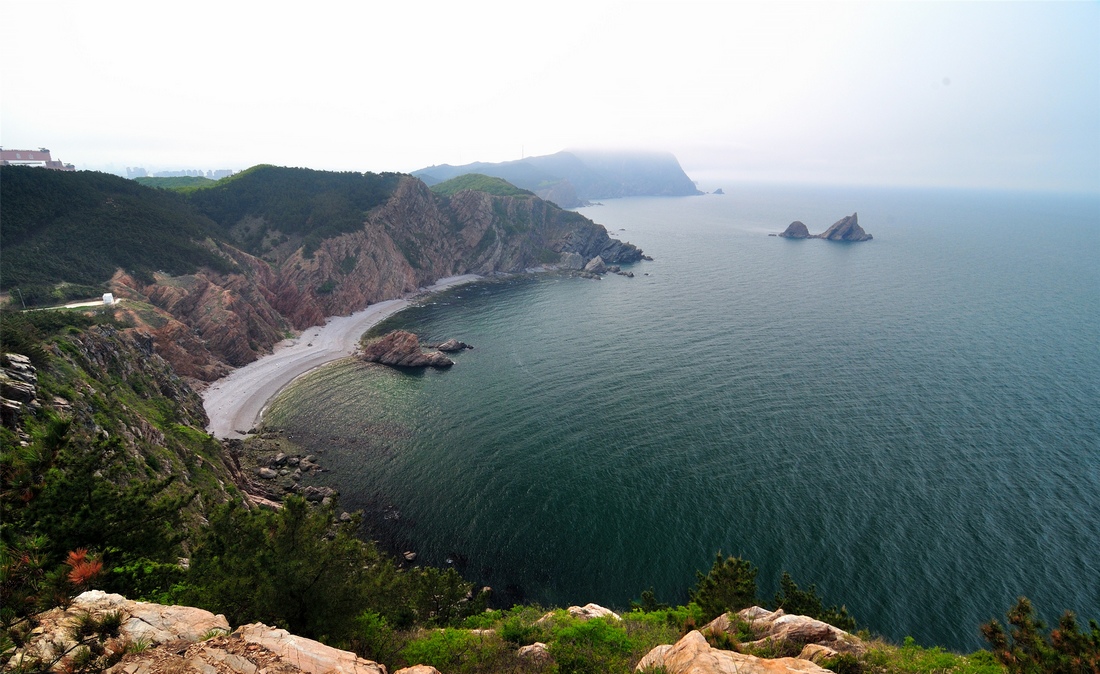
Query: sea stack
point(402, 349)
point(796, 230)
point(845, 229)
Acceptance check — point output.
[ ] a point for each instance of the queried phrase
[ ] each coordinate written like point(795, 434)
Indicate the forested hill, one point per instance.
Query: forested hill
point(79, 227)
point(221, 273)
point(572, 178)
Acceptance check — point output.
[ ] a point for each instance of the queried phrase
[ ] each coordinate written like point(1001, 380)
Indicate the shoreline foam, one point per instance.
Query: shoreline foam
point(235, 403)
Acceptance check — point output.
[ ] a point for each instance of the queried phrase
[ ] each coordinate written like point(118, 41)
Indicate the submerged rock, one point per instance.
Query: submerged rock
point(402, 349)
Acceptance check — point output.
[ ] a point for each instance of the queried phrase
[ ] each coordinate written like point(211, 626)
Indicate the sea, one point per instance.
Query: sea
point(909, 424)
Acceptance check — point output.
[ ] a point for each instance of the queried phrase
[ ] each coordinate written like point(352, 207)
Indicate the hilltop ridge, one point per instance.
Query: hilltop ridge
point(572, 178)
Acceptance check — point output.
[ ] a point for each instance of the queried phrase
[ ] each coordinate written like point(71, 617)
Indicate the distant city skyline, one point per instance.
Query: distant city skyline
point(987, 95)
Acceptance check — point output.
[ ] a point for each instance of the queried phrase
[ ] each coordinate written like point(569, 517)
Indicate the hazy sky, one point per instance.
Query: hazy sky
point(970, 94)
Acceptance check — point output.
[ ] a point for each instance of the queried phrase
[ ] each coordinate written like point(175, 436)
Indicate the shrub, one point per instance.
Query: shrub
point(594, 646)
point(1066, 650)
point(458, 651)
point(730, 585)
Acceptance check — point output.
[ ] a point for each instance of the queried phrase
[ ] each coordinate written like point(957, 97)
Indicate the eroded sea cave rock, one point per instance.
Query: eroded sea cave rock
point(402, 349)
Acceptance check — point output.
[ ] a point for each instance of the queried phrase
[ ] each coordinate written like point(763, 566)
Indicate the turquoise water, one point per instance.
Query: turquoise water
point(913, 423)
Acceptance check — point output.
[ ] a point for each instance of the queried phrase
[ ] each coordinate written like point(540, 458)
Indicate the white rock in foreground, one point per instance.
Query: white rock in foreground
point(693, 655)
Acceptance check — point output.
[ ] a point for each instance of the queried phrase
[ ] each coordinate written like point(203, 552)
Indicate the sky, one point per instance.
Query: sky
point(976, 94)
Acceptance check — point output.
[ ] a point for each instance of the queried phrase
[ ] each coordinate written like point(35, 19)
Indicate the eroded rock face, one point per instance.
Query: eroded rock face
point(418, 669)
point(846, 229)
point(796, 230)
point(402, 349)
point(693, 655)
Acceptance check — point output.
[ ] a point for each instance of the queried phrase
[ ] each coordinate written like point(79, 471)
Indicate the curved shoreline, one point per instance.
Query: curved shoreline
point(235, 403)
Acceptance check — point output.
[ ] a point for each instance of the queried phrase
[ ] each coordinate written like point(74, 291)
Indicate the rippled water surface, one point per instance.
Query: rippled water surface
point(911, 423)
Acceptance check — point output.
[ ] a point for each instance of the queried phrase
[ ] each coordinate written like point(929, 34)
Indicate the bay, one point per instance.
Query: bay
point(911, 423)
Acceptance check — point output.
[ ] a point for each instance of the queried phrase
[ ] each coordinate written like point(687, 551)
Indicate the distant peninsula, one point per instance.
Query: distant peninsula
point(845, 229)
point(573, 178)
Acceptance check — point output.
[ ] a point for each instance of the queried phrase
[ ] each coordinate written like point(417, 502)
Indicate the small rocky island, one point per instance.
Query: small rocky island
point(845, 229)
point(402, 349)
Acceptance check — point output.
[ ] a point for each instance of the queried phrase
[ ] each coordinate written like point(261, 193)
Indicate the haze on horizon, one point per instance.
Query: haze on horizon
point(989, 94)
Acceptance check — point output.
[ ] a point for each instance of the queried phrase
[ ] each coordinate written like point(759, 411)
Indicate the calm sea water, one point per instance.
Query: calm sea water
point(912, 423)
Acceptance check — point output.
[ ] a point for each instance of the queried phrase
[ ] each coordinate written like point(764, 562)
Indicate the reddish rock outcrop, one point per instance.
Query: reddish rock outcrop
point(402, 349)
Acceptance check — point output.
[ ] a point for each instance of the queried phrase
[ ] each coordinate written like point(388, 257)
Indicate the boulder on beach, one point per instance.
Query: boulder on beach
point(402, 349)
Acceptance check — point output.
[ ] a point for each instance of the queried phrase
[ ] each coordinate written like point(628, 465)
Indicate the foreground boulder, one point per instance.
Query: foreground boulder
point(61, 632)
point(135, 637)
point(693, 655)
point(402, 349)
point(777, 626)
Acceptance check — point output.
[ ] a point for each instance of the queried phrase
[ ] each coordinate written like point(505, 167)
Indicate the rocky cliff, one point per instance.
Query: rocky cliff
point(273, 281)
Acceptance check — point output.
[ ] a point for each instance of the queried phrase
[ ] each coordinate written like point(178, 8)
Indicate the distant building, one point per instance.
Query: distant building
point(40, 158)
point(135, 172)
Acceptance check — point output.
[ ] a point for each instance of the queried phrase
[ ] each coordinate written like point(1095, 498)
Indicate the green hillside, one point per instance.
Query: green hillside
point(314, 204)
point(481, 183)
point(81, 227)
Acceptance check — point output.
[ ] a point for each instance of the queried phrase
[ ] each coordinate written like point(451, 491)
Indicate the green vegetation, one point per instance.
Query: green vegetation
point(1025, 649)
point(480, 183)
point(175, 183)
point(730, 585)
point(314, 204)
point(79, 227)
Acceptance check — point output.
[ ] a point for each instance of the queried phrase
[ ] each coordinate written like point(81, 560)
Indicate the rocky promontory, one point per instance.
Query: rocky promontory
point(844, 229)
point(402, 349)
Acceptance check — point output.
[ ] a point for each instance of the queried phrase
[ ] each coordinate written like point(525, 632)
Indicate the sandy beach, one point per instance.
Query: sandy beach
point(235, 403)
